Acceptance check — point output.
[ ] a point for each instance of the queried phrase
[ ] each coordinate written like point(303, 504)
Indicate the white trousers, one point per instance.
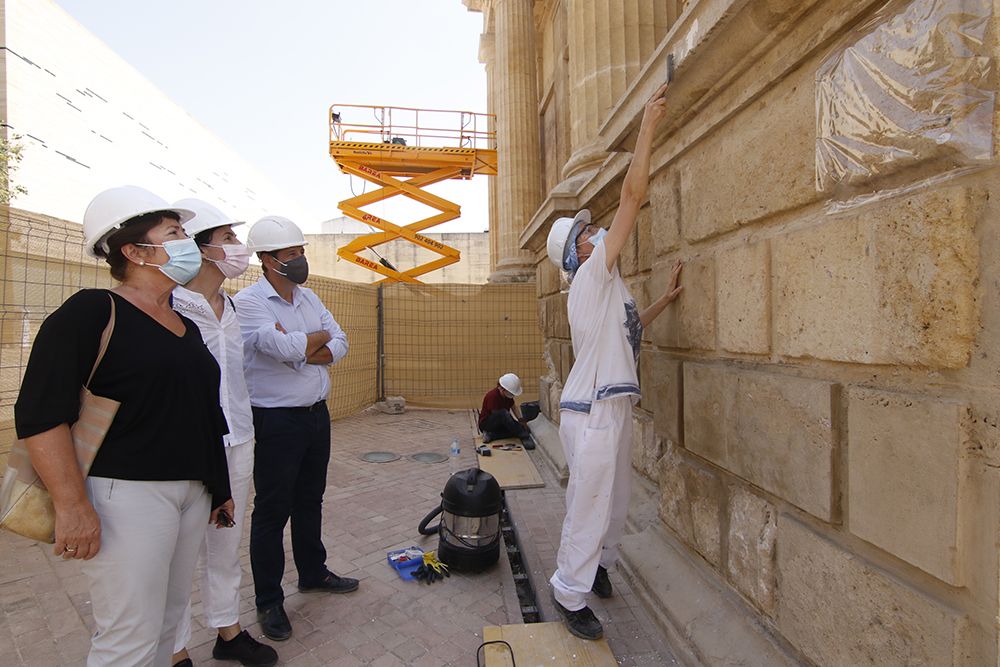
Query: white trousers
point(140, 580)
point(598, 451)
point(219, 559)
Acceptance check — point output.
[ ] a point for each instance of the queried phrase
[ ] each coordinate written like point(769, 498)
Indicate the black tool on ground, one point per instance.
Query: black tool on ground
point(483, 450)
point(469, 531)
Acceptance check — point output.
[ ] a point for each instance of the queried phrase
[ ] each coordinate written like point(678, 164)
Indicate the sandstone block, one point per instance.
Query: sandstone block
point(893, 284)
point(753, 530)
point(772, 430)
point(691, 498)
point(664, 204)
point(553, 357)
point(544, 392)
point(644, 239)
point(840, 610)
point(661, 383)
point(566, 360)
point(906, 478)
point(561, 318)
point(646, 447)
point(747, 169)
point(689, 322)
point(628, 260)
point(744, 293)
point(547, 278)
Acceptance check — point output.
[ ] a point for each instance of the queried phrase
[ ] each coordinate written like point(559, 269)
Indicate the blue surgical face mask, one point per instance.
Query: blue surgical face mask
point(185, 259)
point(598, 236)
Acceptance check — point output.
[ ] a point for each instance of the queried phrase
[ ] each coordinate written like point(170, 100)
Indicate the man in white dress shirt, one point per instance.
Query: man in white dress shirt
point(289, 340)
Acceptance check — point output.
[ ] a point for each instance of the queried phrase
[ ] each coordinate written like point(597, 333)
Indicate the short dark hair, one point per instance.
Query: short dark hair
point(131, 231)
point(204, 236)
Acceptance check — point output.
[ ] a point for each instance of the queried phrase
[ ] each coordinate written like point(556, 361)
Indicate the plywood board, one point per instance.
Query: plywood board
point(544, 644)
point(512, 469)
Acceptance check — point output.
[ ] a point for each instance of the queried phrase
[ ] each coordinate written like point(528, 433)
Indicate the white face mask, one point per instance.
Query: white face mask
point(236, 261)
point(597, 236)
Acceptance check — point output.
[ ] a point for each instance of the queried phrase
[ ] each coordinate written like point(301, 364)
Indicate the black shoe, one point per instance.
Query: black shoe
point(332, 584)
point(274, 623)
point(602, 584)
point(186, 662)
point(246, 649)
point(581, 622)
point(527, 442)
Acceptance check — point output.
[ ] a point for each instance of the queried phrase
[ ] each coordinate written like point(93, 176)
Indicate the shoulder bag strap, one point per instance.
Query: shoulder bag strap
point(105, 339)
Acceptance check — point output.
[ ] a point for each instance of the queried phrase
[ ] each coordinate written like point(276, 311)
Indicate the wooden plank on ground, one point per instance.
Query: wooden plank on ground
point(512, 469)
point(538, 644)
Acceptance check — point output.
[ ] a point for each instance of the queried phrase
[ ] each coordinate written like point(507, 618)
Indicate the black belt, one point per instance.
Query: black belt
point(308, 408)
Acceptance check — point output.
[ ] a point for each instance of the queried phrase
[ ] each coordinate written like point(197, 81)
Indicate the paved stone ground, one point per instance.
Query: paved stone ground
point(370, 508)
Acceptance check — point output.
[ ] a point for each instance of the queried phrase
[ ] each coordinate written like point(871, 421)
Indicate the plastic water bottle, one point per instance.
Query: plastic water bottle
point(453, 456)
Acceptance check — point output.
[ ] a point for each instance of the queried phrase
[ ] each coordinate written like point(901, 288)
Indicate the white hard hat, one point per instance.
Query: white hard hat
point(205, 217)
point(511, 383)
point(274, 233)
point(109, 210)
point(562, 230)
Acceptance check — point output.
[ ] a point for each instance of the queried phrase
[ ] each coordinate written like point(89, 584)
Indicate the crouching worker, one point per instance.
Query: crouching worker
point(500, 416)
point(596, 404)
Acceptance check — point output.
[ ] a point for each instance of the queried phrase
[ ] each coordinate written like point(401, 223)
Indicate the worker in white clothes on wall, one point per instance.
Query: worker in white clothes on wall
point(205, 303)
point(596, 404)
point(289, 340)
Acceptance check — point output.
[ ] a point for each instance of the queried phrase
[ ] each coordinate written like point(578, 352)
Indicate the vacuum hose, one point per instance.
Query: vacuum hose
point(423, 529)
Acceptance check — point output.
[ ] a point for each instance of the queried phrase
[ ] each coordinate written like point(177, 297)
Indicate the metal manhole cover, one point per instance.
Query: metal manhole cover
point(429, 457)
point(379, 457)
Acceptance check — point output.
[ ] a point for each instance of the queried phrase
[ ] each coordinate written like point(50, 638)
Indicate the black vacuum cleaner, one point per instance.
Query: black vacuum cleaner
point(469, 531)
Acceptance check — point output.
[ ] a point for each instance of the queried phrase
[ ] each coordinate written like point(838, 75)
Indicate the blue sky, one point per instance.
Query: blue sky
point(262, 74)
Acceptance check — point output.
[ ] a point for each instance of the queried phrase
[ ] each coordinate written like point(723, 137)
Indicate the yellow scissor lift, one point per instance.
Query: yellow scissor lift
point(404, 150)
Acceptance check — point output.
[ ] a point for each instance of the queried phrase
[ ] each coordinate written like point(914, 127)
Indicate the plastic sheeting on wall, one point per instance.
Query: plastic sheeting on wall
point(910, 85)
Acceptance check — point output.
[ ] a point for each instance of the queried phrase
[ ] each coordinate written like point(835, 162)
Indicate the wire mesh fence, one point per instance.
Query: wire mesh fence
point(435, 345)
point(446, 345)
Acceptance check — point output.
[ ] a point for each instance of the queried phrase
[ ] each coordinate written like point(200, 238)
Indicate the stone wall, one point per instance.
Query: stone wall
point(820, 407)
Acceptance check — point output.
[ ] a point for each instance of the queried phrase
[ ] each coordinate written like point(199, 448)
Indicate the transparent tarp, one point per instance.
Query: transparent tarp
point(911, 85)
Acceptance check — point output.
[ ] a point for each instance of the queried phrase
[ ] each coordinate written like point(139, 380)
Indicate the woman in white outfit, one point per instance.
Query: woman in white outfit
point(205, 303)
point(596, 404)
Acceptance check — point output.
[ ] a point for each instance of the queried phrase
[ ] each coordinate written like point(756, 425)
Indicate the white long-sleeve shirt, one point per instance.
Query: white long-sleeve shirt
point(224, 341)
point(276, 370)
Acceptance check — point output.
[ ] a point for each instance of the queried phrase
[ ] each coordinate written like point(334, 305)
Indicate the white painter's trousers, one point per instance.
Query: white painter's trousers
point(140, 581)
point(219, 560)
point(598, 451)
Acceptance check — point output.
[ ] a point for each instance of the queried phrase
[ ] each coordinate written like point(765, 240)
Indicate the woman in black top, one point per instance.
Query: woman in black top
point(160, 474)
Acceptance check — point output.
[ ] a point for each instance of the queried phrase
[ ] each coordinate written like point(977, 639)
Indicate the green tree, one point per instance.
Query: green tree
point(10, 156)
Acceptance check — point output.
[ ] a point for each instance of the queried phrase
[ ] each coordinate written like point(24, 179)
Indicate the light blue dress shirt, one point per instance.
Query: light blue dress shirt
point(276, 370)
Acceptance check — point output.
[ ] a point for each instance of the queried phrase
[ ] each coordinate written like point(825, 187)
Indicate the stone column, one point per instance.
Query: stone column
point(515, 95)
point(609, 40)
point(487, 56)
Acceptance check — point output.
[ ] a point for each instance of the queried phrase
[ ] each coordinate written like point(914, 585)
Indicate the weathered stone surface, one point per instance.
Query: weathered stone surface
point(664, 202)
point(691, 498)
point(661, 383)
point(709, 400)
point(646, 447)
point(749, 168)
point(547, 278)
point(775, 431)
point(566, 360)
point(894, 284)
point(628, 260)
point(906, 478)
point(840, 610)
point(544, 404)
point(689, 322)
point(553, 355)
point(744, 293)
point(753, 530)
point(644, 239)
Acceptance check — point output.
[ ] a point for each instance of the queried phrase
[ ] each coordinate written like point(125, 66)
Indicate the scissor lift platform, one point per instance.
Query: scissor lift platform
point(403, 156)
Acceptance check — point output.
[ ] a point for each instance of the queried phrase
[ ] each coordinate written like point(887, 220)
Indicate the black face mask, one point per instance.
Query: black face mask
point(296, 270)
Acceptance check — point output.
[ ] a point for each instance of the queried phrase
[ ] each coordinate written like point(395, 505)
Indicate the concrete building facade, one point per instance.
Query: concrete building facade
point(817, 450)
point(88, 121)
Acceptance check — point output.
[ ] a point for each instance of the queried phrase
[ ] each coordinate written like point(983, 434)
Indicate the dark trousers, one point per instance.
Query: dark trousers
point(290, 461)
point(501, 424)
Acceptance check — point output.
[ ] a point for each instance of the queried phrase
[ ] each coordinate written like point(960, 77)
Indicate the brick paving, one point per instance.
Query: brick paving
point(370, 508)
